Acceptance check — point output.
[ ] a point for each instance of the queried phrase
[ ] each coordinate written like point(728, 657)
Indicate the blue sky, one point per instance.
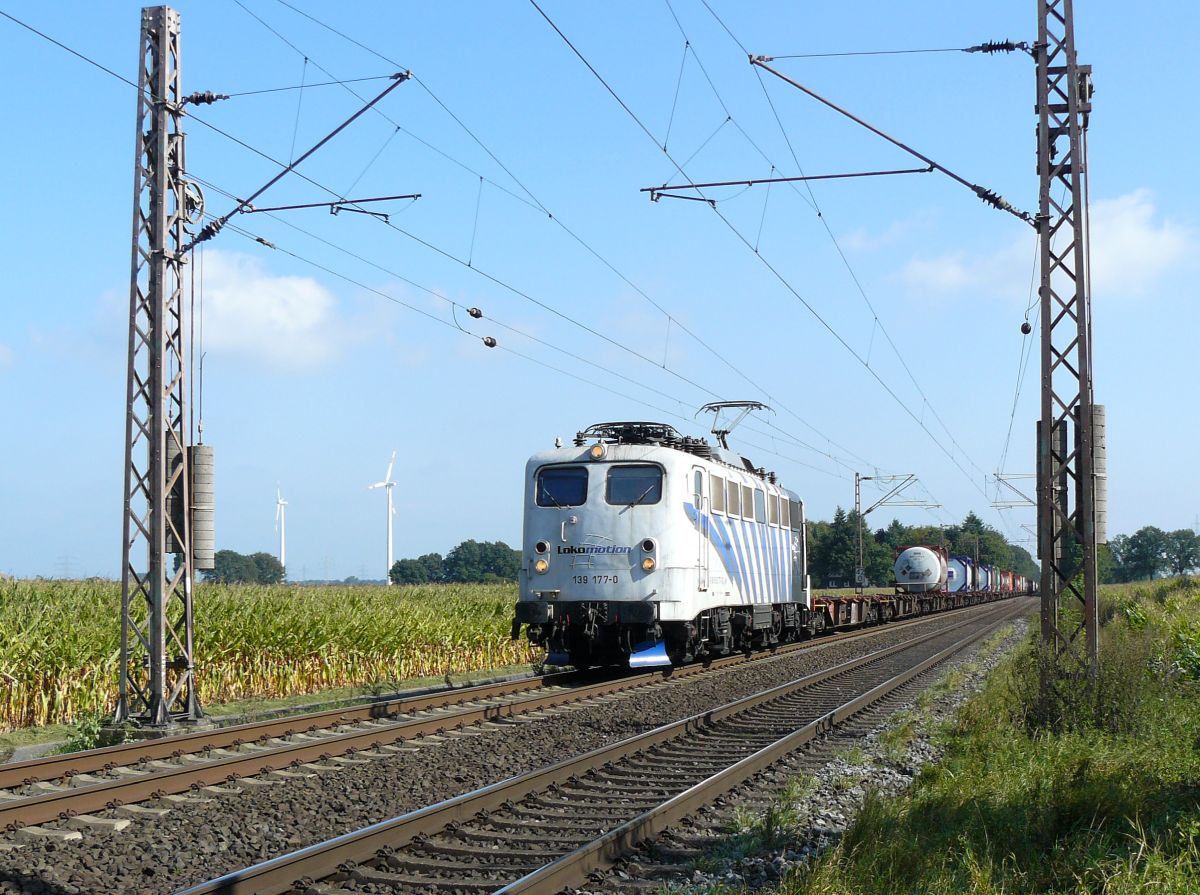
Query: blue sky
point(312, 380)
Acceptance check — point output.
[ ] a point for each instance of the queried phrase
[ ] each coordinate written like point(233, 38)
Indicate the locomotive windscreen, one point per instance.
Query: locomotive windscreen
point(640, 484)
point(562, 486)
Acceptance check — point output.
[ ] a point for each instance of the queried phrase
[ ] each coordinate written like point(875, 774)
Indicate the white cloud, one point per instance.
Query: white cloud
point(1133, 247)
point(862, 240)
point(287, 321)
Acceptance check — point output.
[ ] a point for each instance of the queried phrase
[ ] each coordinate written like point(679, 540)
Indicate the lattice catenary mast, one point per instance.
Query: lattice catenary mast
point(157, 684)
point(1070, 445)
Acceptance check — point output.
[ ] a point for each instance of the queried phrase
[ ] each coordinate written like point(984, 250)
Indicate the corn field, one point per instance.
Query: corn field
point(60, 641)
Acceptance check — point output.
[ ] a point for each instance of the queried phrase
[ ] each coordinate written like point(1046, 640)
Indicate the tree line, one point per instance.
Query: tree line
point(231, 567)
point(471, 562)
point(833, 548)
point(1149, 552)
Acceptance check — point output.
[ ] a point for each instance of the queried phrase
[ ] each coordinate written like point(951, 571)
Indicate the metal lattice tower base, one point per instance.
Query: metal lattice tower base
point(157, 686)
point(1067, 535)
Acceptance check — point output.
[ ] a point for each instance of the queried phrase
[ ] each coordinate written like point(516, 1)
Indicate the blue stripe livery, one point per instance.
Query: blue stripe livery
point(757, 557)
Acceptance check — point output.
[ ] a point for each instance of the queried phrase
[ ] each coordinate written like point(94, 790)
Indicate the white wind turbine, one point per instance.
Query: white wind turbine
point(388, 484)
point(281, 527)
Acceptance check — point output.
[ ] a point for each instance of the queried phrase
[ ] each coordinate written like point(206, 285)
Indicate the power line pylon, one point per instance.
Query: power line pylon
point(1067, 531)
point(157, 685)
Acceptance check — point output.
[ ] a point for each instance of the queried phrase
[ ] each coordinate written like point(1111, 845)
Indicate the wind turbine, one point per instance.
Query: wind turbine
point(388, 484)
point(281, 527)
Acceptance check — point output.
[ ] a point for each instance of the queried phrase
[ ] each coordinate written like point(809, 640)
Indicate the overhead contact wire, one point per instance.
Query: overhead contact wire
point(534, 199)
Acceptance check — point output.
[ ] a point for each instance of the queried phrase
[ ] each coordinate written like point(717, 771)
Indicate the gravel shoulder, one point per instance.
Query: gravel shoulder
point(779, 824)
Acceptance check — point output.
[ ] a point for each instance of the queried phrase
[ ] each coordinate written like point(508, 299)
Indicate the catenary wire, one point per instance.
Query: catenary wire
point(778, 275)
point(247, 234)
point(267, 157)
point(535, 200)
point(812, 202)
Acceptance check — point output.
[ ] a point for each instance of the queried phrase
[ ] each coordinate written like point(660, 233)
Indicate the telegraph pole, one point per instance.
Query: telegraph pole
point(157, 684)
point(1067, 529)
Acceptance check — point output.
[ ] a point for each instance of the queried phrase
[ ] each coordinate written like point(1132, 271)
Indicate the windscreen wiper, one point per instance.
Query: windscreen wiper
point(649, 488)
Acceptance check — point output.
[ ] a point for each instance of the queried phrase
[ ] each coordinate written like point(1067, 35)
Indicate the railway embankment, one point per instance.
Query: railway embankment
point(987, 785)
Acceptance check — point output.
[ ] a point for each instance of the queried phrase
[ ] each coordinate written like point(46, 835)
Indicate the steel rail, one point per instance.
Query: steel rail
point(572, 869)
point(278, 875)
point(61, 767)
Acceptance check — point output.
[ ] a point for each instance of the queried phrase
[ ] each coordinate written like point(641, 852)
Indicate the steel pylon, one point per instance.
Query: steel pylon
point(1067, 531)
point(157, 684)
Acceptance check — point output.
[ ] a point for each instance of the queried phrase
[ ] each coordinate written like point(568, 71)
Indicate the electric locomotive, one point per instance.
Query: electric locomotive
point(643, 547)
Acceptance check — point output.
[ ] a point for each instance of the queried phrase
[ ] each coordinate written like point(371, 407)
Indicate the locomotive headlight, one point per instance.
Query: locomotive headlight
point(648, 545)
point(541, 566)
point(648, 564)
point(597, 451)
point(541, 547)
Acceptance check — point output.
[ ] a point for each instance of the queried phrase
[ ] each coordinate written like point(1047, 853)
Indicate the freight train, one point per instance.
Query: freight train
point(927, 569)
point(646, 548)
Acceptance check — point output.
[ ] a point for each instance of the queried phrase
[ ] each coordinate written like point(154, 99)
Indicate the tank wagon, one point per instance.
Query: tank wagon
point(644, 547)
point(925, 569)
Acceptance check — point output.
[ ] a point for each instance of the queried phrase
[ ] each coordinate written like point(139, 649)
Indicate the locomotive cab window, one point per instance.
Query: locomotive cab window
point(784, 508)
point(797, 517)
point(634, 485)
point(562, 486)
point(760, 506)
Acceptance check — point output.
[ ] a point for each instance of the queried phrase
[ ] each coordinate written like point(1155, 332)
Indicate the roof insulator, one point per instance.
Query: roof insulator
point(489, 341)
point(475, 312)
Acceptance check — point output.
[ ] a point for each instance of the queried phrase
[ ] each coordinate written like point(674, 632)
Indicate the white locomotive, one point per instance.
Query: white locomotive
point(648, 548)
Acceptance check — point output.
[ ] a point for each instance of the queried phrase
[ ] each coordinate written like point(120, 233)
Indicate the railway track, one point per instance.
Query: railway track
point(75, 787)
point(547, 830)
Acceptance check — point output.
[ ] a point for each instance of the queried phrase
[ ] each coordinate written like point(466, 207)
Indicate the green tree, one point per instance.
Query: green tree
point(837, 551)
point(1118, 551)
point(434, 567)
point(482, 561)
point(231, 567)
point(1145, 554)
point(407, 571)
point(267, 568)
point(1182, 551)
point(878, 558)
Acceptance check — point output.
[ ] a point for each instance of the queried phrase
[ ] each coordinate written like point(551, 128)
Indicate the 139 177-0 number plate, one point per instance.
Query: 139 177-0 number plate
point(594, 579)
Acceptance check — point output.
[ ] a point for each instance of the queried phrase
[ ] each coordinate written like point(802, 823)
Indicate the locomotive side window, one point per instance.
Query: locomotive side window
point(747, 502)
point(760, 506)
point(634, 485)
point(562, 486)
point(785, 506)
point(698, 488)
point(773, 509)
point(735, 499)
point(716, 485)
point(797, 516)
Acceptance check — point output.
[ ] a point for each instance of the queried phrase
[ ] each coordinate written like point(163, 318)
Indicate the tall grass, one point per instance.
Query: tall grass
point(1080, 790)
point(60, 641)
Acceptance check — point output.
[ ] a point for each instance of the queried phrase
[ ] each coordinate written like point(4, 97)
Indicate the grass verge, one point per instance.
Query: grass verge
point(1084, 789)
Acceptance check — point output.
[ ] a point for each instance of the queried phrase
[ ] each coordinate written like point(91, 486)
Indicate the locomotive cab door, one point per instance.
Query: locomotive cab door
point(700, 501)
